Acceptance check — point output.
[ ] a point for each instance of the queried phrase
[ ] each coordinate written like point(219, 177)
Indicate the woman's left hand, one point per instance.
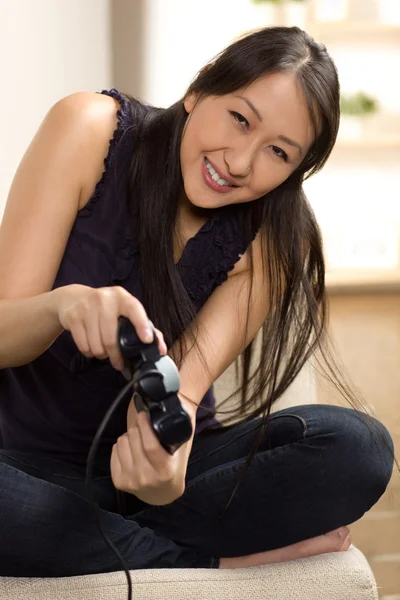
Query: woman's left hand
point(141, 466)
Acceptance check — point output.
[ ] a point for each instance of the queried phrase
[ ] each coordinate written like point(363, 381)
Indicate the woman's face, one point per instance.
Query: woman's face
point(238, 147)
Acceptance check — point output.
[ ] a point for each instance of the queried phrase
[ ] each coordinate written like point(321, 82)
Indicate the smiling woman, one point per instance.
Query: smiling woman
point(193, 216)
point(244, 145)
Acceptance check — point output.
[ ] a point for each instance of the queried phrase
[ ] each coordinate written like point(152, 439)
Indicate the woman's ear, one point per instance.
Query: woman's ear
point(190, 102)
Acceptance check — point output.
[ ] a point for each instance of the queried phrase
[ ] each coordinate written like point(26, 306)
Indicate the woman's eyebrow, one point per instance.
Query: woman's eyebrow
point(259, 117)
point(250, 105)
point(291, 143)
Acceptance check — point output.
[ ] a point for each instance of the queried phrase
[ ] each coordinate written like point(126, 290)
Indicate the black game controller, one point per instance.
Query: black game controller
point(155, 390)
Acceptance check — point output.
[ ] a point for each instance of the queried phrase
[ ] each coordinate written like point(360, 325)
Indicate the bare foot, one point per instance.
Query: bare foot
point(329, 542)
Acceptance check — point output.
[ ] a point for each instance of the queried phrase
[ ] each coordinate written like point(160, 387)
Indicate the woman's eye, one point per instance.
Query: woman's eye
point(279, 152)
point(239, 118)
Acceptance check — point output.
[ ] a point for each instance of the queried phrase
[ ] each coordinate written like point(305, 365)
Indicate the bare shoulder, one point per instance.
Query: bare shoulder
point(97, 115)
point(53, 181)
point(91, 113)
point(89, 107)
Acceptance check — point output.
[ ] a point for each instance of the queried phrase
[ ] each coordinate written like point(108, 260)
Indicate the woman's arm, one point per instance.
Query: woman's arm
point(53, 181)
point(221, 330)
point(221, 325)
point(221, 337)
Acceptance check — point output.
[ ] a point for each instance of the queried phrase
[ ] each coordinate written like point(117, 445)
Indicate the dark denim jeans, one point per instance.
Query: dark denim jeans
point(317, 469)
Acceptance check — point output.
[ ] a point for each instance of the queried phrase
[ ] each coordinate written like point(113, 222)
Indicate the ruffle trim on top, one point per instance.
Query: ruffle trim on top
point(198, 241)
point(124, 119)
point(218, 254)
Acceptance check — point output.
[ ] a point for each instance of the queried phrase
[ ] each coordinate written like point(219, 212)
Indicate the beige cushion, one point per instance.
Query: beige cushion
point(334, 576)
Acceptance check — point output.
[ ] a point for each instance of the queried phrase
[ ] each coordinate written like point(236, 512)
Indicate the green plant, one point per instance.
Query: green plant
point(358, 104)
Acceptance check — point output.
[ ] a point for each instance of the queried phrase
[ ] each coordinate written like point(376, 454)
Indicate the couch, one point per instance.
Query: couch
point(334, 576)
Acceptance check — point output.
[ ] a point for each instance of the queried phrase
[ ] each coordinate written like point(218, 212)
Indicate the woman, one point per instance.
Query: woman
point(194, 217)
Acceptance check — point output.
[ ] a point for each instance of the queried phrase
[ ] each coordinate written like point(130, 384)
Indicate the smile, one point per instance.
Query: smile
point(214, 180)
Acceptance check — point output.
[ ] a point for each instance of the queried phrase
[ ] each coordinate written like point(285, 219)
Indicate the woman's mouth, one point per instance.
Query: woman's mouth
point(213, 179)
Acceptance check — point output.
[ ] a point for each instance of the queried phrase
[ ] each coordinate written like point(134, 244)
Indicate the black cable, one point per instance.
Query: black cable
point(90, 462)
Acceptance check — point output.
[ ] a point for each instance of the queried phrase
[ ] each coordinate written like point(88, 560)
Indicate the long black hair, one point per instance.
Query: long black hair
point(296, 327)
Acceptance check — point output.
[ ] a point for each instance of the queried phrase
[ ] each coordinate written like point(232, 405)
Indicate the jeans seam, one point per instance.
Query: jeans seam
point(305, 432)
point(239, 460)
point(230, 465)
point(258, 424)
point(234, 440)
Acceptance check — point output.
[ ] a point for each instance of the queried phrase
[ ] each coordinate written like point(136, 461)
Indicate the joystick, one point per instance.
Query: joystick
point(156, 385)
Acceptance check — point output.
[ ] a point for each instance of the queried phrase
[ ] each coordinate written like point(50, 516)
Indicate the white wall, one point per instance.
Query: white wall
point(182, 35)
point(48, 49)
point(357, 195)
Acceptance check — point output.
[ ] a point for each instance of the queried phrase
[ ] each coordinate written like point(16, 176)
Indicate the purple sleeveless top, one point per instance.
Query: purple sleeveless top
point(56, 403)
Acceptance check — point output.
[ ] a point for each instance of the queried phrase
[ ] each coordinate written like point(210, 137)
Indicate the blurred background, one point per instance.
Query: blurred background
point(152, 49)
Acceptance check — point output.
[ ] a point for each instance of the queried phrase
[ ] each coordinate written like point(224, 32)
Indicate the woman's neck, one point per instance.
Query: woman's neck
point(189, 221)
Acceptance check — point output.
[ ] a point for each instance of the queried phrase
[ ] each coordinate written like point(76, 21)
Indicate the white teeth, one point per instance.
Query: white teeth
point(216, 177)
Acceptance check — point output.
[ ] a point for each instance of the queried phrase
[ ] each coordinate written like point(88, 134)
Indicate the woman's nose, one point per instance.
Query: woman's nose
point(239, 164)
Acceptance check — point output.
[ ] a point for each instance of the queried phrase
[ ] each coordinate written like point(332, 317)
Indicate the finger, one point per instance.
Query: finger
point(92, 325)
point(126, 459)
point(115, 465)
point(161, 342)
point(134, 463)
point(132, 414)
point(78, 333)
point(108, 323)
point(134, 310)
point(147, 474)
point(156, 455)
point(122, 479)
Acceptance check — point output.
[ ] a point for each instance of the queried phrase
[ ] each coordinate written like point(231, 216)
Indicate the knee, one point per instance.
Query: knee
point(366, 452)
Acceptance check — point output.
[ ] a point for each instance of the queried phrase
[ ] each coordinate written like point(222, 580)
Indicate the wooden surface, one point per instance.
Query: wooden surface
point(366, 329)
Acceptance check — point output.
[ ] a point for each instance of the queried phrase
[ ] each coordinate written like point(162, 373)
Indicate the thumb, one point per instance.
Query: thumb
point(132, 414)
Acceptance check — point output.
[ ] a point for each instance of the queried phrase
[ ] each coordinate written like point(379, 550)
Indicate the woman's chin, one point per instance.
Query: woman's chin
point(195, 203)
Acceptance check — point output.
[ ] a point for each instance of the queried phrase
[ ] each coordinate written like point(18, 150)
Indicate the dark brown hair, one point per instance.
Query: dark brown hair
point(292, 247)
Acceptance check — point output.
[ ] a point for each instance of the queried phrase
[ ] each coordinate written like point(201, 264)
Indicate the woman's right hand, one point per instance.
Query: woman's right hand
point(91, 315)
